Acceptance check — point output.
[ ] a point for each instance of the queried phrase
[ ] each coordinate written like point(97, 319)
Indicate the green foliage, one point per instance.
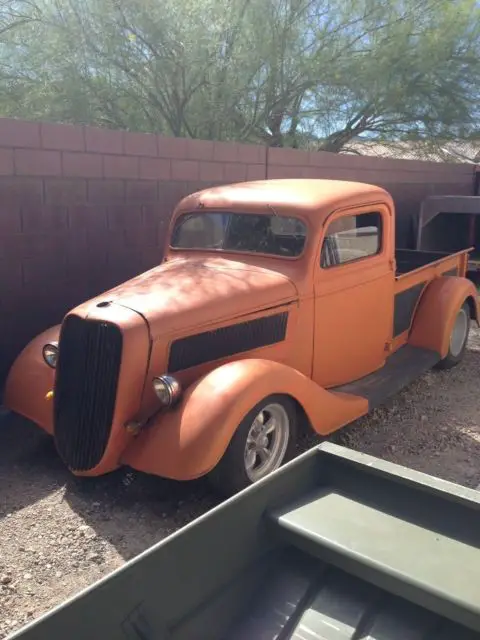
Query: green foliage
point(281, 72)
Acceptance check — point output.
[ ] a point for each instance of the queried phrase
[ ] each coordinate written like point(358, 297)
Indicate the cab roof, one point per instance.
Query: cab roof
point(307, 197)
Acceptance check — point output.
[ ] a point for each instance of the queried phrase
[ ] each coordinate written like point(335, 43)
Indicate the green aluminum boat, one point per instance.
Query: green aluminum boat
point(336, 545)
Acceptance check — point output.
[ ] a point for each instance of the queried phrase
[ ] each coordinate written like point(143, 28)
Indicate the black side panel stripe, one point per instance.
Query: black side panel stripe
point(405, 303)
point(227, 341)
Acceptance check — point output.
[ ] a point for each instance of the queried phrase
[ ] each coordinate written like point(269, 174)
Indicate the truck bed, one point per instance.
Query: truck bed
point(336, 545)
point(414, 271)
point(408, 260)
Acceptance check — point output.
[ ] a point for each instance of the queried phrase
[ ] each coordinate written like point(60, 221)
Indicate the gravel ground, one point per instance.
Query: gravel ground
point(60, 534)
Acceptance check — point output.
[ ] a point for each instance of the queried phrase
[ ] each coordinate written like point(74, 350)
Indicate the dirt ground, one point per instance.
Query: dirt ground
point(60, 534)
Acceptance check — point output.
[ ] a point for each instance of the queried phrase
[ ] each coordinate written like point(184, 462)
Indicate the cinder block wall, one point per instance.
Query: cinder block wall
point(82, 208)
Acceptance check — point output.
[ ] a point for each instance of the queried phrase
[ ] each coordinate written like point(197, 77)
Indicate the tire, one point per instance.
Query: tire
point(232, 473)
point(458, 339)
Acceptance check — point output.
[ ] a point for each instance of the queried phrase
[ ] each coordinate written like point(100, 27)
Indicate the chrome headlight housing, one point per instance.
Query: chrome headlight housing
point(50, 354)
point(167, 389)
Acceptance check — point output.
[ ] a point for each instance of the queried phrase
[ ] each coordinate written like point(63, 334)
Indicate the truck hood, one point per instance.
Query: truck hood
point(189, 293)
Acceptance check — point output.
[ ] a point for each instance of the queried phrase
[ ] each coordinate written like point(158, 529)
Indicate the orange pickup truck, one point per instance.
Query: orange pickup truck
point(278, 303)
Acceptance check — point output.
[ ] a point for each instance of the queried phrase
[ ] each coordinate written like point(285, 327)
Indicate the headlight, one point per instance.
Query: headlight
point(50, 354)
point(167, 390)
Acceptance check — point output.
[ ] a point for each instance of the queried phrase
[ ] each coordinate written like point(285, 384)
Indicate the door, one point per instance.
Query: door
point(354, 284)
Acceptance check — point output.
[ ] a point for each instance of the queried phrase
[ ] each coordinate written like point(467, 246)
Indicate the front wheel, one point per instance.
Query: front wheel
point(263, 441)
point(458, 339)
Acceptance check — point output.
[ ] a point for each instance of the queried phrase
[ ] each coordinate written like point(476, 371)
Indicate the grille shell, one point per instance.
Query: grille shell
point(88, 369)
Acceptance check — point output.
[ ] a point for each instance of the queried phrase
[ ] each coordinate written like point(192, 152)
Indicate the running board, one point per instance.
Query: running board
point(403, 367)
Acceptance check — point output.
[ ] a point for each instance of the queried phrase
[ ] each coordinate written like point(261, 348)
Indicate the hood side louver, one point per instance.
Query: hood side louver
point(227, 341)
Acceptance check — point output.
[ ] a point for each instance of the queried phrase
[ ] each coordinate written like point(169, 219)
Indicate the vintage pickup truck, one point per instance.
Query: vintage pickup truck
point(279, 304)
point(336, 545)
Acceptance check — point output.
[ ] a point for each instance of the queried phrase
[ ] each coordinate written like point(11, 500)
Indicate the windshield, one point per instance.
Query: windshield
point(264, 233)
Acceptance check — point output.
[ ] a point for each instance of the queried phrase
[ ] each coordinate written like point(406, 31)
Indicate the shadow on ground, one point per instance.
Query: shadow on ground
point(29, 467)
point(433, 426)
point(129, 509)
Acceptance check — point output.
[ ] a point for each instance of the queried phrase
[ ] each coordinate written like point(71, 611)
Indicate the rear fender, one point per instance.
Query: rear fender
point(437, 310)
point(188, 441)
point(30, 379)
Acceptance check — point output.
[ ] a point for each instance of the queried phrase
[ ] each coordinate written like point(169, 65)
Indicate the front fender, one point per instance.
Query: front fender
point(30, 379)
point(188, 441)
point(437, 310)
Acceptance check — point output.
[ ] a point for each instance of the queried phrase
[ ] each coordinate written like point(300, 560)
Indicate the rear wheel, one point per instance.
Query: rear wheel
point(458, 339)
point(263, 441)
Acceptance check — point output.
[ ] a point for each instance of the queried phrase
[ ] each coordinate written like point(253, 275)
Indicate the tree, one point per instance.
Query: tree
point(280, 72)
point(419, 76)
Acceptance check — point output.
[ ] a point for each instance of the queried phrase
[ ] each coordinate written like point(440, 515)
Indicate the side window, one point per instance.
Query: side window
point(351, 238)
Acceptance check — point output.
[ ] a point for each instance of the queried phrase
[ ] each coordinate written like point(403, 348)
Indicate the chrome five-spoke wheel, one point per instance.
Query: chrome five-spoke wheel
point(267, 441)
point(263, 441)
point(459, 332)
point(458, 339)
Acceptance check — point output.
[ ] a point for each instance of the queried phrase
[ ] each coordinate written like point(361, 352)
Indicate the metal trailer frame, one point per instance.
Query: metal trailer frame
point(434, 206)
